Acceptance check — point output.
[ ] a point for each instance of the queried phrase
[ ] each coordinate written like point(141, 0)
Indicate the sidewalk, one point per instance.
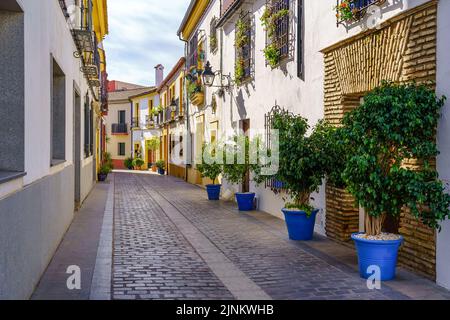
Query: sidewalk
point(79, 248)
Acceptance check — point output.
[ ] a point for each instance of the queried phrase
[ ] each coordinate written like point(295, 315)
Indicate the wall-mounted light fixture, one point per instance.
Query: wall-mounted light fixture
point(209, 76)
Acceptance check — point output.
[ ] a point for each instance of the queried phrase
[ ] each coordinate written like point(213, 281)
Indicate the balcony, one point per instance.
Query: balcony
point(150, 122)
point(82, 30)
point(119, 129)
point(351, 11)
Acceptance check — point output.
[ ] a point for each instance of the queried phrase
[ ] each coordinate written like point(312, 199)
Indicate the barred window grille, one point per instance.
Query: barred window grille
point(271, 182)
point(193, 51)
point(213, 39)
point(282, 37)
point(244, 54)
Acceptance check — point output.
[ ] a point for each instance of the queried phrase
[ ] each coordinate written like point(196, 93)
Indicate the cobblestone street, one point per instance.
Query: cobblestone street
point(171, 243)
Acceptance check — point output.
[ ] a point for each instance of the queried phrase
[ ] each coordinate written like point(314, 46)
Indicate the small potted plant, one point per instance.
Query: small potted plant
point(103, 172)
point(161, 165)
point(128, 163)
point(209, 167)
point(241, 169)
point(138, 163)
point(394, 124)
point(301, 171)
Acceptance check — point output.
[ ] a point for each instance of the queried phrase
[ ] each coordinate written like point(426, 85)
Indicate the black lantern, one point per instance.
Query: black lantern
point(173, 106)
point(208, 75)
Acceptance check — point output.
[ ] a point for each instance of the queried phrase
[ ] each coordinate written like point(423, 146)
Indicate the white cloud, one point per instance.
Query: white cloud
point(142, 34)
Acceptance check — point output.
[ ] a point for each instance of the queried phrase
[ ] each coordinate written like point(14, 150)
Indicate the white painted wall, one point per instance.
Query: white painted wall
point(46, 32)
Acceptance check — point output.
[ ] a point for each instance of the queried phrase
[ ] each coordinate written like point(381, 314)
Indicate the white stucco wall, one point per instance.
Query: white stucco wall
point(46, 32)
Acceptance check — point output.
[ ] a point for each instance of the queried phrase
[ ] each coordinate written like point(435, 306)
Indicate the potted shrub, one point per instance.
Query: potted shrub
point(161, 165)
point(128, 163)
point(241, 169)
point(138, 163)
point(395, 123)
point(210, 168)
point(302, 167)
point(153, 145)
point(103, 172)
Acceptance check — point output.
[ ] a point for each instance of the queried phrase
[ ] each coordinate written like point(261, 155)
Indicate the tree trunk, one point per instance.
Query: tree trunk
point(374, 225)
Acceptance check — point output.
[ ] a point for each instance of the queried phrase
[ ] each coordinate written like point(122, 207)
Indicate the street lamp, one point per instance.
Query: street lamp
point(208, 76)
point(173, 106)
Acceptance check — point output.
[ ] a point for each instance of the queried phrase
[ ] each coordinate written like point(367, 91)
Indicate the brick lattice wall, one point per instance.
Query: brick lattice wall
point(402, 50)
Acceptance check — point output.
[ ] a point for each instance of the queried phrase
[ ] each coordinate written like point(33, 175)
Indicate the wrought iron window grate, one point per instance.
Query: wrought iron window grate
point(213, 40)
point(282, 37)
point(244, 54)
point(271, 182)
point(357, 7)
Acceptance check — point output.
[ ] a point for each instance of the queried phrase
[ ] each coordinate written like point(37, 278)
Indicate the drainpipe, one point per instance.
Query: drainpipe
point(188, 126)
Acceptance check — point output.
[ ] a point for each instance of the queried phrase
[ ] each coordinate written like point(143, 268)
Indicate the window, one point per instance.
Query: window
point(278, 35)
point(88, 128)
point(58, 114)
point(181, 95)
point(121, 149)
point(12, 88)
point(213, 41)
point(300, 37)
point(121, 117)
point(193, 53)
point(243, 47)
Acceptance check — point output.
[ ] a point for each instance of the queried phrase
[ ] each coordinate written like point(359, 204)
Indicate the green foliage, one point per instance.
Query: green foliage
point(304, 207)
point(138, 163)
point(213, 42)
point(303, 160)
point(270, 17)
point(193, 88)
point(344, 10)
point(208, 168)
point(128, 163)
point(242, 163)
point(161, 164)
point(241, 37)
point(153, 144)
point(105, 169)
point(107, 160)
point(272, 54)
point(394, 124)
point(239, 71)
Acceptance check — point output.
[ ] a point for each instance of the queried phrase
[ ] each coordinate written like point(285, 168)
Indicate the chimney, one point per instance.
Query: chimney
point(159, 74)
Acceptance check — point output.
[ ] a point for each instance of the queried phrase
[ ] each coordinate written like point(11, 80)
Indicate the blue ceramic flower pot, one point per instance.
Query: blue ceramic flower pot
point(382, 254)
point(213, 191)
point(300, 226)
point(245, 201)
point(162, 171)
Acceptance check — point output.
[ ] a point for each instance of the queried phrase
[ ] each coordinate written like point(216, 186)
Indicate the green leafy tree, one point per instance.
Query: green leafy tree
point(128, 163)
point(303, 160)
point(209, 167)
point(161, 164)
point(395, 123)
point(242, 159)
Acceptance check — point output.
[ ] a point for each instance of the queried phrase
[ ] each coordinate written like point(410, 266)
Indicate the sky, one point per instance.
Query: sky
point(142, 34)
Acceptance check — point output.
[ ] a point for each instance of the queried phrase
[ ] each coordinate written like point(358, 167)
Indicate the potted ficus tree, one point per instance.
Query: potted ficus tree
point(241, 164)
point(211, 167)
point(153, 145)
point(161, 165)
point(302, 168)
point(396, 123)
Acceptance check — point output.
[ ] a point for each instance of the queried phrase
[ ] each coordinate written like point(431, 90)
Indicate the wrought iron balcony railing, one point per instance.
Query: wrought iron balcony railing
point(348, 11)
point(150, 122)
point(119, 128)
